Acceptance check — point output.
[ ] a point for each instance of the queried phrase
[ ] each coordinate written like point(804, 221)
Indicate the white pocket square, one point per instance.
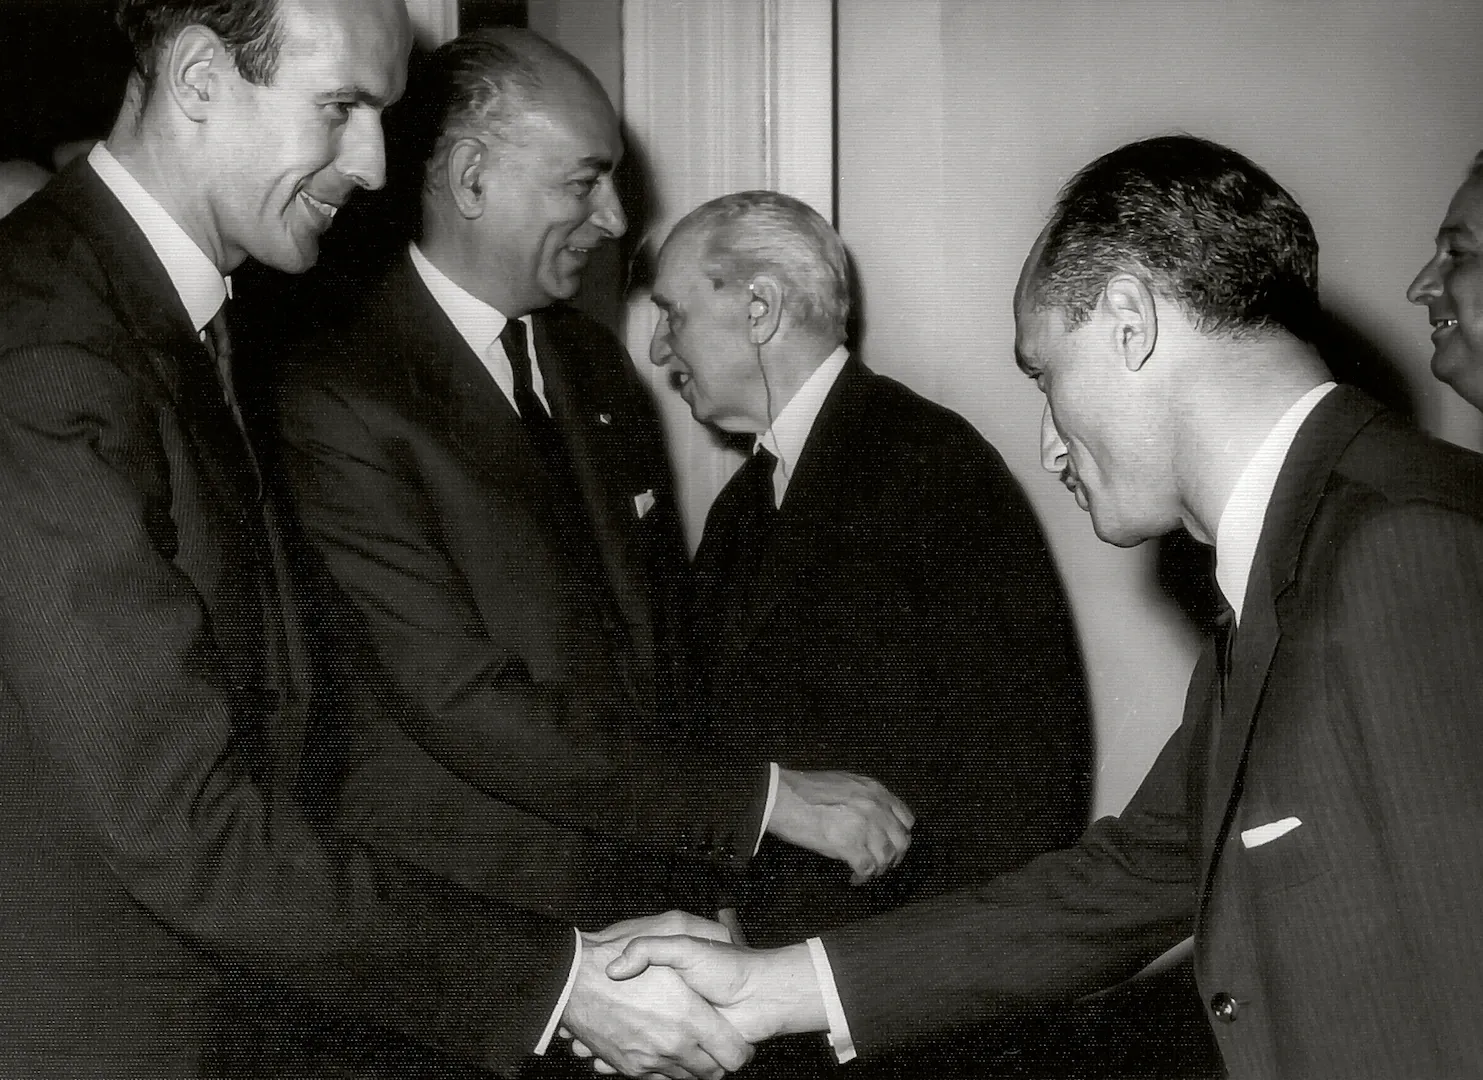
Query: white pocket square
point(1265, 834)
point(643, 502)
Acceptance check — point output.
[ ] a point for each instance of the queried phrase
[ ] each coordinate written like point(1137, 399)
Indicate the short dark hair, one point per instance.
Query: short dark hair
point(481, 83)
point(1198, 221)
point(250, 29)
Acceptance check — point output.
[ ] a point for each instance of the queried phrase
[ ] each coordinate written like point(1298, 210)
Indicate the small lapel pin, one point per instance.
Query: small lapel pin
point(643, 502)
point(604, 418)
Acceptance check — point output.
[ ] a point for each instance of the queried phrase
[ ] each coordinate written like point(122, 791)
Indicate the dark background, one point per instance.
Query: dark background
point(65, 64)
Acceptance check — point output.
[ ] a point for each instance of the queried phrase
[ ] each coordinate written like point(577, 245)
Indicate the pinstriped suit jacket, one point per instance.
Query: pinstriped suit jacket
point(152, 855)
point(1349, 946)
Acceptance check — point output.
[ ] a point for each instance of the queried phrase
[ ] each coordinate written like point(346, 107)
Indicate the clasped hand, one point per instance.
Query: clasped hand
point(755, 994)
point(651, 1023)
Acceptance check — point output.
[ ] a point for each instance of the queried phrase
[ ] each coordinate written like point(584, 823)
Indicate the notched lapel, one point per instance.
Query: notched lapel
point(1315, 453)
point(806, 532)
point(592, 422)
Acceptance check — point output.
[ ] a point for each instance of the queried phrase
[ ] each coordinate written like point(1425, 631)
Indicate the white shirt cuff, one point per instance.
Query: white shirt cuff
point(571, 981)
point(772, 798)
point(839, 1028)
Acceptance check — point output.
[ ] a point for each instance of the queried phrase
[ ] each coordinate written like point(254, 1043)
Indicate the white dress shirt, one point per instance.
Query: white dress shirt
point(1236, 538)
point(1240, 526)
point(480, 325)
point(198, 282)
point(790, 429)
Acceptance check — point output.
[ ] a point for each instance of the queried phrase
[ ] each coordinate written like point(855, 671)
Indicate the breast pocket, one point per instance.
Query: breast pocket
point(1274, 863)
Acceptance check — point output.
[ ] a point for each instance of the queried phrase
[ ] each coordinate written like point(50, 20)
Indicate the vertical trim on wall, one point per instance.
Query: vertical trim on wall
point(800, 100)
point(720, 96)
point(433, 21)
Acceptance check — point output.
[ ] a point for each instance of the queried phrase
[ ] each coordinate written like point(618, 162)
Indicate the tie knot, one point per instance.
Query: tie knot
point(512, 337)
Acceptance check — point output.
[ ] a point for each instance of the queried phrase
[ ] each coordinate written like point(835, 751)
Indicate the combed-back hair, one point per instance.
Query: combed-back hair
point(481, 83)
point(251, 30)
point(766, 232)
point(1198, 222)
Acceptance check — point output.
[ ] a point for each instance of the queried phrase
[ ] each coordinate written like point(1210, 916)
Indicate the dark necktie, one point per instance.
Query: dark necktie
point(727, 562)
point(1225, 639)
point(538, 423)
point(218, 342)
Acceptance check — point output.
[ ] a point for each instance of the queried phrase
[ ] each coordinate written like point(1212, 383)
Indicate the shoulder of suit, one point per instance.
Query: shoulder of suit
point(1394, 462)
point(54, 289)
point(568, 324)
point(906, 419)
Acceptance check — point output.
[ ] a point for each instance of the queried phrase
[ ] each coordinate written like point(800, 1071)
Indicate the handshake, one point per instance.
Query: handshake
point(673, 996)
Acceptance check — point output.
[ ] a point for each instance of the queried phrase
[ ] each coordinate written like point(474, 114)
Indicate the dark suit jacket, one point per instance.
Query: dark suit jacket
point(532, 749)
point(906, 623)
point(1348, 947)
point(153, 709)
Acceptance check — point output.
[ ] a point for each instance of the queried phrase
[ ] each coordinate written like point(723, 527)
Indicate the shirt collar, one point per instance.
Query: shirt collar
point(199, 283)
point(1240, 526)
point(476, 322)
point(791, 427)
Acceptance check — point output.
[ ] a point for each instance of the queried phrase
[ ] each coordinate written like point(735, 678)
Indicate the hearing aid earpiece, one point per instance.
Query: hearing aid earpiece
point(757, 308)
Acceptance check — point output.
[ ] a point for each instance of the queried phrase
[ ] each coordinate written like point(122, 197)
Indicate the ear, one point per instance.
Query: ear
point(192, 68)
point(1129, 306)
point(467, 159)
point(764, 308)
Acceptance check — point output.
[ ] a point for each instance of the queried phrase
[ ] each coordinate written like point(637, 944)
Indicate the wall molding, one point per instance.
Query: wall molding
point(720, 96)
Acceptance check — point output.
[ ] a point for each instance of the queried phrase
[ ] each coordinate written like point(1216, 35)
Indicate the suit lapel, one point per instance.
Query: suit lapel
point(1320, 442)
point(823, 478)
point(590, 413)
point(456, 398)
point(149, 306)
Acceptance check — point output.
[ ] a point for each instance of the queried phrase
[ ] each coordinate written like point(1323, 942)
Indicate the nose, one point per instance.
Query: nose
point(1427, 285)
point(1052, 448)
point(363, 149)
point(607, 212)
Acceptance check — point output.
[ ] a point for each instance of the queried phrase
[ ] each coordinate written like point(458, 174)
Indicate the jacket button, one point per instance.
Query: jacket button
point(1225, 1008)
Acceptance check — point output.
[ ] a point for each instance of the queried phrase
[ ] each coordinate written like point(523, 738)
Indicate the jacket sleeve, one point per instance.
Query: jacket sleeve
point(1070, 923)
point(470, 702)
point(108, 650)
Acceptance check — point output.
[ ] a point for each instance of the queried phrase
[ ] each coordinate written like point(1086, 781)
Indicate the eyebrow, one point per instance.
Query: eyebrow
point(660, 300)
point(1448, 231)
point(600, 162)
point(359, 94)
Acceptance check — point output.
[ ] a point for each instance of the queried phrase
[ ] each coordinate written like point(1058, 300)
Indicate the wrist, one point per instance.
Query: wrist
point(789, 983)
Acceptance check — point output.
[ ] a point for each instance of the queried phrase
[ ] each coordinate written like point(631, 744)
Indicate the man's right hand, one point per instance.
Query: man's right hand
point(842, 816)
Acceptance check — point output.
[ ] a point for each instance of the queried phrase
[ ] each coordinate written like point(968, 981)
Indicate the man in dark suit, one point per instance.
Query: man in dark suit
point(1450, 286)
point(1316, 822)
point(481, 472)
point(159, 873)
point(873, 587)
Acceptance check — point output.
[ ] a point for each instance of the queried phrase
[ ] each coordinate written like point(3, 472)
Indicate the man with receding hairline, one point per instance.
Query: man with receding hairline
point(482, 472)
point(1316, 822)
point(157, 867)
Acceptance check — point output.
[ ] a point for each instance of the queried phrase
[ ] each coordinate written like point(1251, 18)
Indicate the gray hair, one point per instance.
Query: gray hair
point(765, 232)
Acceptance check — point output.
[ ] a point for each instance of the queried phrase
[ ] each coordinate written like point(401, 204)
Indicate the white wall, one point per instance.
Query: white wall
point(959, 119)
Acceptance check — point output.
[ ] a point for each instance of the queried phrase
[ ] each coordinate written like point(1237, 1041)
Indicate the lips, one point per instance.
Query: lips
point(323, 211)
point(1442, 327)
point(1073, 485)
